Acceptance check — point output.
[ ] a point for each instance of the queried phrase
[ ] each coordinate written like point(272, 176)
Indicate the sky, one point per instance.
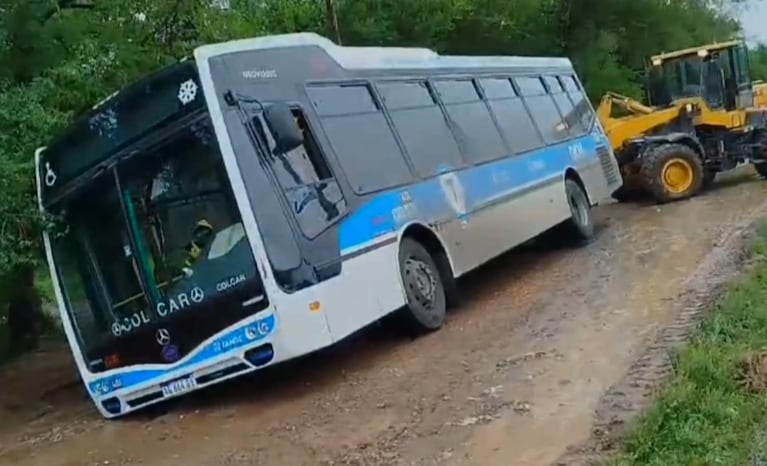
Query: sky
point(754, 18)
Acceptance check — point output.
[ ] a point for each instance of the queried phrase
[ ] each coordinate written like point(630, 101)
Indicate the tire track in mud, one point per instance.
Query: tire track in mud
point(653, 369)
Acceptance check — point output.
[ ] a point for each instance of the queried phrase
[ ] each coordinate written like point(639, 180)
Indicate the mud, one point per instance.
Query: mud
point(552, 352)
point(646, 375)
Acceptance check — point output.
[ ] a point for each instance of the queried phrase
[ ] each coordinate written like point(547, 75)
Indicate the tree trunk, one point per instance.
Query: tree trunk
point(25, 313)
point(332, 19)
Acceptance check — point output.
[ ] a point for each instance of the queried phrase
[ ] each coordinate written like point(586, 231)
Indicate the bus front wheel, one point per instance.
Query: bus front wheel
point(578, 229)
point(426, 301)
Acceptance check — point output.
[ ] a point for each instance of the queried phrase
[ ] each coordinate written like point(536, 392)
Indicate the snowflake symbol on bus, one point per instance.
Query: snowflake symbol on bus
point(187, 92)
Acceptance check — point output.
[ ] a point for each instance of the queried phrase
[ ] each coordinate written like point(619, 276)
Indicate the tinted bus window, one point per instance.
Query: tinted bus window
point(497, 88)
point(362, 140)
point(367, 152)
point(546, 116)
point(405, 95)
point(341, 100)
point(553, 84)
point(569, 114)
point(565, 105)
point(423, 130)
point(456, 91)
point(473, 125)
point(570, 83)
point(581, 107)
point(513, 119)
point(529, 86)
point(307, 181)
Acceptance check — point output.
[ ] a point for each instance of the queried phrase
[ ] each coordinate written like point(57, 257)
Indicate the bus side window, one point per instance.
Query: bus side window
point(542, 108)
point(473, 124)
point(302, 165)
point(581, 105)
point(515, 122)
point(418, 120)
point(359, 135)
point(306, 179)
point(571, 119)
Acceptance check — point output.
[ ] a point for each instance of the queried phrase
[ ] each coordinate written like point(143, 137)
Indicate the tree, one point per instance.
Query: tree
point(759, 62)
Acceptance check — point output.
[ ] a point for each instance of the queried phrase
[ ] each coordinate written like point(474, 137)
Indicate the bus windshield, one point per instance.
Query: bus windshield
point(157, 238)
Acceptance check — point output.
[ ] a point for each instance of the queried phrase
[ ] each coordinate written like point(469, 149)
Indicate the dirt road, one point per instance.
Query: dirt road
point(513, 379)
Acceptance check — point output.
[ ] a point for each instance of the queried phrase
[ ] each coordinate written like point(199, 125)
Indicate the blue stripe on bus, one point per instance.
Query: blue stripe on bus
point(236, 338)
point(481, 186)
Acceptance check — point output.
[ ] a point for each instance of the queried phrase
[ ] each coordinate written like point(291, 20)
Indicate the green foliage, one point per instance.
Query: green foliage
point(56, 61)
point(759, 62)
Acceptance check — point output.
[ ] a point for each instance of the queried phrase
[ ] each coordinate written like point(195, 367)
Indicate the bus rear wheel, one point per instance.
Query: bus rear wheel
point(426, 300)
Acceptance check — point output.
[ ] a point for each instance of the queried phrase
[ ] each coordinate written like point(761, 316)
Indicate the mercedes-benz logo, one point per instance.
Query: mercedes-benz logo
point(197, 294)
point(162, 336)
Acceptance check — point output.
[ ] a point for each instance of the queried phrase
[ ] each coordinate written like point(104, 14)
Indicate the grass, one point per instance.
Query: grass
point(704, 417)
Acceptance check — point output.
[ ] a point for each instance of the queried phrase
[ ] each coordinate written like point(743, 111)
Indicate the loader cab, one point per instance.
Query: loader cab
point(717, 73)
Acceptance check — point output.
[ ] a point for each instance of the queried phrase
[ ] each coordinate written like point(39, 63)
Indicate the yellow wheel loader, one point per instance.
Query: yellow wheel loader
point(702, 118)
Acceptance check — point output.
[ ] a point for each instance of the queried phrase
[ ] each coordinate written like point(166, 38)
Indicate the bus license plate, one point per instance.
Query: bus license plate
point(179, 386)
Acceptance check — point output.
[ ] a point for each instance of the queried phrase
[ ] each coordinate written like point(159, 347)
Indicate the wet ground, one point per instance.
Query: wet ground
point(544, 342)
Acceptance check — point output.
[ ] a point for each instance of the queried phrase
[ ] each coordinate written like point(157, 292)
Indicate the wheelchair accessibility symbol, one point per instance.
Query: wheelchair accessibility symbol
point(454, 193)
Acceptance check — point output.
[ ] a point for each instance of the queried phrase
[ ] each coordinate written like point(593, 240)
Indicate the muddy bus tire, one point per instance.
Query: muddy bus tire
point(426, 298)
point(578, 230)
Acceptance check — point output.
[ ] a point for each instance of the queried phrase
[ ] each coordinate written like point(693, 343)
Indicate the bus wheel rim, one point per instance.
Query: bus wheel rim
point(677, 175)
point(420, 281)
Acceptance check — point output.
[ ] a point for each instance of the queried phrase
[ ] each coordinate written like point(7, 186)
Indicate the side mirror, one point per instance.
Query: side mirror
point(285, 131)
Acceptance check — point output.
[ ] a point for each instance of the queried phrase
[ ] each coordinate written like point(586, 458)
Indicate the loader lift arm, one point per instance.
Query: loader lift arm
point(638, 119)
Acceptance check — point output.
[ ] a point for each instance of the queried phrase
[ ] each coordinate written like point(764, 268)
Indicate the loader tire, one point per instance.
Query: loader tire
point(672, 172)
point(760, 166)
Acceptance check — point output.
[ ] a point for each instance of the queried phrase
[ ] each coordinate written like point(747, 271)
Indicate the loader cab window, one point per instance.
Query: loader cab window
point(714, 82)
point(676, 78)
point(741, 65)
point(687, 78)
point(658, 93)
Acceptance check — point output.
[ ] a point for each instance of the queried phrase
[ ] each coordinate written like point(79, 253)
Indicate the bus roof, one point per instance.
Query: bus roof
point(369, 58)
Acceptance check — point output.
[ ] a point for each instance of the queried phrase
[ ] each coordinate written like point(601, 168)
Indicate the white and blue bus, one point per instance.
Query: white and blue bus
point(274, 195)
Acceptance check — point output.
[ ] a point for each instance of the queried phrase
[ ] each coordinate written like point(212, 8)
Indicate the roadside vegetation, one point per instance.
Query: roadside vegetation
point(58, 57)
point(714, 410)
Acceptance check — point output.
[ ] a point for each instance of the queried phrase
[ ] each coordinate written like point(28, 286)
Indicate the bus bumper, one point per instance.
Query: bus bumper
point(238, 351)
